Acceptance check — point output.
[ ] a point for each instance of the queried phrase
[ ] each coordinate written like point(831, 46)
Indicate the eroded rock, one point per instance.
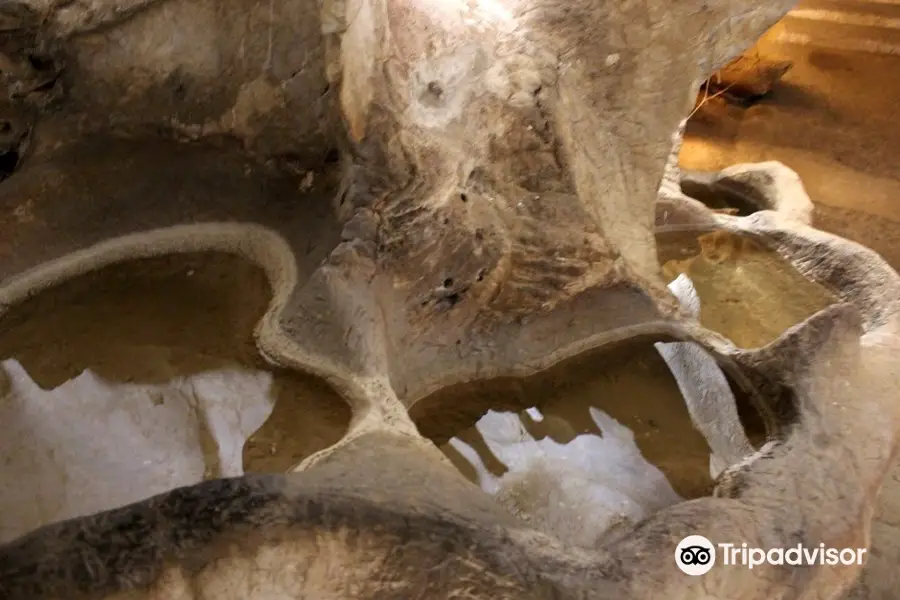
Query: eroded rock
point(490, 213)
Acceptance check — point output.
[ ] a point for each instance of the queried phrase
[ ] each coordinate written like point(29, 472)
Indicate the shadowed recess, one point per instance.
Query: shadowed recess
point(164, 348)
point(719, 199)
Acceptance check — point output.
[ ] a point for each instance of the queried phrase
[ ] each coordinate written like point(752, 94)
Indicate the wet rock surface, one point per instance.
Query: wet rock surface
point(442, 198)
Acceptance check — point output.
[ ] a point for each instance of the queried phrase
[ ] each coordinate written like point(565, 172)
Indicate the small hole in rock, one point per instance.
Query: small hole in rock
point(332, 156)
point(40, 63)
point(448, 282)
point(435, 88)
point(463, 197)
point(8, 163)
point(480, 275)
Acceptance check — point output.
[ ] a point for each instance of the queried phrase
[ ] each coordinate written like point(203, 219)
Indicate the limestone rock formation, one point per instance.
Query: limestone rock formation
point(441, 193)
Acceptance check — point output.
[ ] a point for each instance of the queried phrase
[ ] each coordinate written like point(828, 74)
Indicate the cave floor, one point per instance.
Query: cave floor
point(833, 120)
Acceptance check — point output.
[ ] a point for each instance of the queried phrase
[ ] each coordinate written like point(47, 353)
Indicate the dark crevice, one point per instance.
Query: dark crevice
point(8, 163)
point(332, 156)
point(41, 63)
point(452, 299)
point(719, 198)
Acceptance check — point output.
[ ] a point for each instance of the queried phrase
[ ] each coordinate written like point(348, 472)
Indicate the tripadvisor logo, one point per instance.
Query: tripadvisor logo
point(696, 555)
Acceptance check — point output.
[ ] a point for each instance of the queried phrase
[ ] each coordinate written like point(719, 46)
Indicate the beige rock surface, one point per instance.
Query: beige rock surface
point(454, 197)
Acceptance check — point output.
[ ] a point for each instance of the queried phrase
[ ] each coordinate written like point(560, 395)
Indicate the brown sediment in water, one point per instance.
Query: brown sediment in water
point(201, 309)
point(632, 384)
point(747, 292)
point(308, 417)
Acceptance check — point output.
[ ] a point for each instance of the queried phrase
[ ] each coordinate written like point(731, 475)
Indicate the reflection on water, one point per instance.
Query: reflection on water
point(608, 440)
point(576, 487)
point(93, 443)
point(142, 377)
point(748, 293)
point(611, 440)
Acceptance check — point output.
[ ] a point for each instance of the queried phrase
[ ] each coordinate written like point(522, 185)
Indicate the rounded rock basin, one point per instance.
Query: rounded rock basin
point(747, 292)
point(602, 439)
point(141, 377)
point(606, 438)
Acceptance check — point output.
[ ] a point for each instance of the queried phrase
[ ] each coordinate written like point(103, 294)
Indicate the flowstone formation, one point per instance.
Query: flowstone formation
point(441, 194)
